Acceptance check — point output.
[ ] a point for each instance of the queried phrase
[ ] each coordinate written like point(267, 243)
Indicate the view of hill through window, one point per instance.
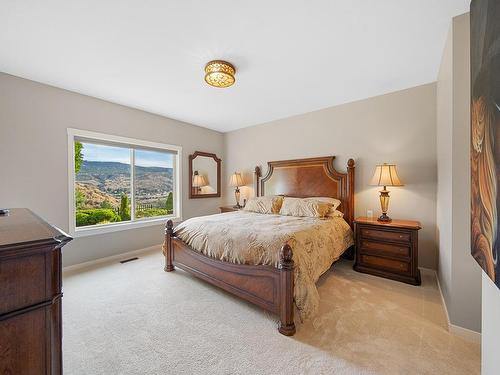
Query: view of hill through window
point(104, 192)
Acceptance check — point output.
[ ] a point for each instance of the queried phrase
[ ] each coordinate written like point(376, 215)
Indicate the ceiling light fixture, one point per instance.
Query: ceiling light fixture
point(219, 73)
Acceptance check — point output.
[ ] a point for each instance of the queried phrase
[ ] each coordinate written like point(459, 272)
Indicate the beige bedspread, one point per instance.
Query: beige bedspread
point(250, 238)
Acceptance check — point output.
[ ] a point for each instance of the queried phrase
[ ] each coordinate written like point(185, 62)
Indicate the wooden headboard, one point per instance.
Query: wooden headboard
point(314, 177)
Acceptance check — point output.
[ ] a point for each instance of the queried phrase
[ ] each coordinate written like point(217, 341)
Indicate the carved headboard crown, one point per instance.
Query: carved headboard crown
point(313, 177)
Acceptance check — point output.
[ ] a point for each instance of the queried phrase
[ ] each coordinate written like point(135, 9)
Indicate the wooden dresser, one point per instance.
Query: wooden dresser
point(388, 249)
point(30, 294)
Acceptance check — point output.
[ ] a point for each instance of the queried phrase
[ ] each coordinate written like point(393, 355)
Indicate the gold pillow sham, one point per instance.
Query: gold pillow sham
point(264, 205)
point(305, 207)
point(334, 202)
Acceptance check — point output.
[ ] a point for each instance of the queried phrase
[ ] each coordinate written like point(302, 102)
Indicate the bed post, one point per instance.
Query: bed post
point(257, 180)
point(286, 266)
point(167, 246)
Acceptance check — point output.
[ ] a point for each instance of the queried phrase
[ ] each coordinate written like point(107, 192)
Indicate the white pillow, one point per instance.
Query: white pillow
point(304, 207)
point(270, 204)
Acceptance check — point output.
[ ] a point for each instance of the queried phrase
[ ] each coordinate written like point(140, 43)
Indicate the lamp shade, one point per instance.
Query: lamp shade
point(198, 180)
point(386, 175)
point(236, 180)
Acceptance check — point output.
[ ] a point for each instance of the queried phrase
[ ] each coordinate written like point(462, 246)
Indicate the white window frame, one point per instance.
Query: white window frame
point(114, 227)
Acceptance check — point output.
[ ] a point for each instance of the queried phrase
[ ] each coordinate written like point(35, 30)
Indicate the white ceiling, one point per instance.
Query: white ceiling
point(291, 56)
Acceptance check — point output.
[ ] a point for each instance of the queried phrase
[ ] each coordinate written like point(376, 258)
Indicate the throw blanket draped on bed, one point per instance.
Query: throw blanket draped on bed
point(250, 238)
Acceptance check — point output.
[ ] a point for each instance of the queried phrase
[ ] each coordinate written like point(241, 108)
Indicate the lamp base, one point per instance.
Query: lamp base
point(384, 218)
point(237, 196)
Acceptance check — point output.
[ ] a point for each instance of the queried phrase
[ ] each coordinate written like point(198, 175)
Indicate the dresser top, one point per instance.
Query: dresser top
point(409, 224)
point(21, 226)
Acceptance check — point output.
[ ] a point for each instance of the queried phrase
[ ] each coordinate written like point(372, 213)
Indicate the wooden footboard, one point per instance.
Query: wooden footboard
point(265, 286)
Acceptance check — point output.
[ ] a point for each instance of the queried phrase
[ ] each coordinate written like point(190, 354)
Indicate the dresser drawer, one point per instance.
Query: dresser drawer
point(22, 282)
point(377, 234)
point(23, 343)
point(388, 264)
point(381, 248)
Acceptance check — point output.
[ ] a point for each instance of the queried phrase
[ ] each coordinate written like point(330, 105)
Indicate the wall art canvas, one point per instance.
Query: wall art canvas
point(485, 135)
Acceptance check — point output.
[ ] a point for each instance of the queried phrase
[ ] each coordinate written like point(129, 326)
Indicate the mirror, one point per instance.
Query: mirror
point(204, 175)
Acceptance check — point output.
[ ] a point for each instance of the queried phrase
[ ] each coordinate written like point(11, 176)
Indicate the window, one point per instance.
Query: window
point(117, 183)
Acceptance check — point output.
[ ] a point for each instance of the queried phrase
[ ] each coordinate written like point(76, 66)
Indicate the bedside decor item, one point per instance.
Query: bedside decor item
point(485, 130)
point(388, 250)
point(219, 73)
point(204, 175)
point(236, 181)
point(385, 175)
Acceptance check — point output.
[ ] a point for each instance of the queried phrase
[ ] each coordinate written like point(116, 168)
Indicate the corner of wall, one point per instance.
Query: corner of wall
point(459, 277)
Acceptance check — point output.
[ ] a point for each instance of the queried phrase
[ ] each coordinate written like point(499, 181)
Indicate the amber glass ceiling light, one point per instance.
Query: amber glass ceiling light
point(219, 73)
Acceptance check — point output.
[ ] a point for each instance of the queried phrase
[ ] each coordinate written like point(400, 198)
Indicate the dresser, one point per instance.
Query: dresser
point(388, 249)
point(30, 294)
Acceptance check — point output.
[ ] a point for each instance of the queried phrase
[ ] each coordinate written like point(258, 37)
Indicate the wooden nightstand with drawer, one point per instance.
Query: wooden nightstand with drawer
point(388, 249)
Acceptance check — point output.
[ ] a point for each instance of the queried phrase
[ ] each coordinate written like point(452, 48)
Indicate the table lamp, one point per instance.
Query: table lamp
point(198, 182)
point(385, 175)
point(236, 181)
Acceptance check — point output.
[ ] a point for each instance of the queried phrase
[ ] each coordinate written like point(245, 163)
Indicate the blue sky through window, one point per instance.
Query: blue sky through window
point(144, 158)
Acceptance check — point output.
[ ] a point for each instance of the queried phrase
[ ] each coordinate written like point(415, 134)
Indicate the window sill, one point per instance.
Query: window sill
point(110, 228)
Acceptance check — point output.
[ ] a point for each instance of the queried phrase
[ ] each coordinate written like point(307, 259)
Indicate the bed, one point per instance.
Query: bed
point(268, 278)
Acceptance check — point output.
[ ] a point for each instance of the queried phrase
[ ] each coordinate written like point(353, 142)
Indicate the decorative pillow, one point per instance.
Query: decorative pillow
point(304, 207)
point(334, 202)
point(333, 212)
point(264, 205)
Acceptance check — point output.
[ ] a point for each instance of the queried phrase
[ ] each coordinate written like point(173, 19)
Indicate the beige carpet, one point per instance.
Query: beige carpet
point(134, 318)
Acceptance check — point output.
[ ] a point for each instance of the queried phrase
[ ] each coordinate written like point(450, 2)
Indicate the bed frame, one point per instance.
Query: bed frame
point(266, 286)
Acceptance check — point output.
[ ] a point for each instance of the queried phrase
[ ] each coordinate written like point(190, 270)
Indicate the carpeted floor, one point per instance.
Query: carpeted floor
point(133, 318)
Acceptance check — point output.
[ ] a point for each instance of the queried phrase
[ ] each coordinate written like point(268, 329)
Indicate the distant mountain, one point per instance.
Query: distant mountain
point(114, 178)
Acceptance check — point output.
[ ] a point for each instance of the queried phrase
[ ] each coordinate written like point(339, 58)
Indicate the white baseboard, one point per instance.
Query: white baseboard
point(465, 333)
point(443, 302)
point(111, 258)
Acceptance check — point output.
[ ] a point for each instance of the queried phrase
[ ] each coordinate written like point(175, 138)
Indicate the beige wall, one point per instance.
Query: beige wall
point(444, 130)
point(398, 128)
point(459, 275)
point(33, 157)
point(490, 360)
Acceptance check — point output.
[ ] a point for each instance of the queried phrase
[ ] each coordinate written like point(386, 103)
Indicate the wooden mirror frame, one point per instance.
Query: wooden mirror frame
point(218, 161)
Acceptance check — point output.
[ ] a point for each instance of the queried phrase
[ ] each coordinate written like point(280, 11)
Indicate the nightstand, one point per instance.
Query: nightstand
point(388, 249)
point(229, 209)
